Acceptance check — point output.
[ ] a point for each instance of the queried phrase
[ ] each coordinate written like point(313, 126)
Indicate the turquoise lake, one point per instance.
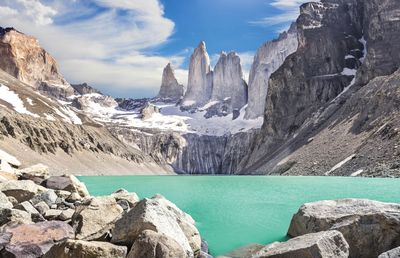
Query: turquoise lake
point(232, 211)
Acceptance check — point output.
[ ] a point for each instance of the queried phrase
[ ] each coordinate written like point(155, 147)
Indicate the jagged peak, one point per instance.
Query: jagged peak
point(5, 30)
point(202, 45)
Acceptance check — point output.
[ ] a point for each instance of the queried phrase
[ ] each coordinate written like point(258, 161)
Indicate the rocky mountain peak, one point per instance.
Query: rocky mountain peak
point(228, 81)
point(170, 89)
point(199, 86)
point(269, 57)
point(23, 58)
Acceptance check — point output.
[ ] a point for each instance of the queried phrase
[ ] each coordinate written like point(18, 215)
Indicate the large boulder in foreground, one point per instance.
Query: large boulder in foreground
point(394, 253)
point(159, 215)
point(22, 190)
point(369, 227)
point(67, 183)
point(151, 244)
point(94, 219)
point(33, 240)
point(315, 245)
point(80, 249)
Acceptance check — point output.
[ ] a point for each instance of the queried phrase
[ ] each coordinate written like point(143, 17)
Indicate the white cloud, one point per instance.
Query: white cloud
point(289, 13)
point(105, 48)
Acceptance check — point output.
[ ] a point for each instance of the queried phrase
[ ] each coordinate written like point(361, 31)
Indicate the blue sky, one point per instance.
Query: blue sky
point(121, 46)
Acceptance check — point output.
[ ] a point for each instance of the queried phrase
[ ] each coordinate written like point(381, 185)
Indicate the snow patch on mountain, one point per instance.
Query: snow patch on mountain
point(12, 98)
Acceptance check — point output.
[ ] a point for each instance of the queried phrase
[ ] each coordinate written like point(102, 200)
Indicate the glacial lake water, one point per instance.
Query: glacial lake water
point(233, 211)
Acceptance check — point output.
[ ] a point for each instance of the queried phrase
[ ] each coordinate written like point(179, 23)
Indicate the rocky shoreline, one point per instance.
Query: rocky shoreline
point(55, 216)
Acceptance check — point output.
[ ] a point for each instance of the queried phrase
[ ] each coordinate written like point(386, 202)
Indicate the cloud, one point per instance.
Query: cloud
point(107, 43)
point(288, 12)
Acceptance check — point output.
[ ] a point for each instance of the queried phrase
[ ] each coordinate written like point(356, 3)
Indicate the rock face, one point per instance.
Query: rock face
point(171, 90)
point(151, 244)
point(148, 111)
point(80, 249)
point(192, 153)
point(269, 57)
point(199, 86)
point(23, 58)
point(338, 53)
point(315, 245)
point(46, 234)
point(228, 81)
point(159, 215)
point(369, 227)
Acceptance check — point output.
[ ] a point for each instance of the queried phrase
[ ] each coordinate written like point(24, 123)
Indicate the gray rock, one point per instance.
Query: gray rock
point(37, 173)
point(148, 110)
point(170, 90)
point(26, 206)
point(66, 214)
point(128, 198)
point(42, 207)
point(74, 197)
point(151, 244)
point(68, 183)
point(80, 248)
point(14, 216)
point(22, 190)
point(159, 215)
point(52, 214)
point(315, 245)
point(5, 202)
point(63, 194)
point(34, 240)
point(394, 253)
point(369, 227)
point(228, 82)
point(199, 86)
point(95, 218)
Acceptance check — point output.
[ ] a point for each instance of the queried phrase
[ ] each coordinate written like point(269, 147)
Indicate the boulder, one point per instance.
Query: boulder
point(6, 176)
point(315, 245)
point(151, 244)
point(5, 202)
point(9, 159)
point(22, 190)
point(74, 197)
point(52, 214)
point(37, 173)
point(34, 240)
point(81, 249)
point(394, 253)
point(42, 207)
point(26, 206)
point(64, 194)
point(13, 216)
point(369, 227)
point(49, 197)
point(68, 183)
point(161, 216)
point(95, 218)
point(123, 195)
point(66, 214)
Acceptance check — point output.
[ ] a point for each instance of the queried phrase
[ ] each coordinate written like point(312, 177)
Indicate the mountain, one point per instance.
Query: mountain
point(269, 57)
point(23, 58)
point(332, 107)
point(322, 99)
point(170, 89)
